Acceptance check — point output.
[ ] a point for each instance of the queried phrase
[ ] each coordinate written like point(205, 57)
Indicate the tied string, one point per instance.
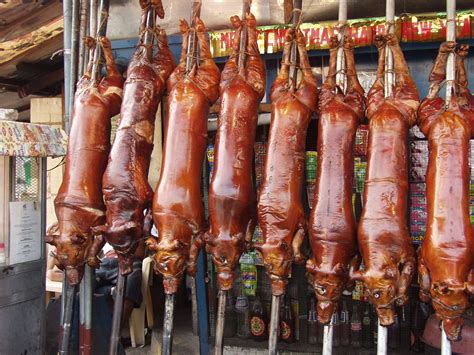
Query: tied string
point(389, 25)
point(296, 66)
point(300, 18)
point(294, 41)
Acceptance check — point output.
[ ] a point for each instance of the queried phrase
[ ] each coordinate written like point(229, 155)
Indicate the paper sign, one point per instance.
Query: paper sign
point(25, 232)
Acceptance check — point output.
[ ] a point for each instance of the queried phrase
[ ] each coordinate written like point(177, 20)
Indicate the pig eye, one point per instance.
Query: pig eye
point(163, 266)
point(284, 246)
point(321, 290)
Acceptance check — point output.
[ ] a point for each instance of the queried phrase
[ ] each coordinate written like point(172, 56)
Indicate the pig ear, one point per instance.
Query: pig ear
point(49, 238)
point(390, 273)
point(339, 269)
point(441, 287)
point(178, 244)
point(51, 233)
point(99, 230)
point(357, 275)
point(469, 285)
point(311, 266)
point(208, 240)
point(237, 239)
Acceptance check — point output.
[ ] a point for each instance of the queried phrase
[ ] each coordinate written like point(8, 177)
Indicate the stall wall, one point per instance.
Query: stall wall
point(216, 13)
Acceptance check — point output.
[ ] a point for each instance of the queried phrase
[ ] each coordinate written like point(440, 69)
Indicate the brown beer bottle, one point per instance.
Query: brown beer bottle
point(258, 321)
point(312, 322)
point(345, 324)
point(287, 323)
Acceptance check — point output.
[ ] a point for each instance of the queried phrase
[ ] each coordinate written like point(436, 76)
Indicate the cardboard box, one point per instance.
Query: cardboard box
point(47, 110)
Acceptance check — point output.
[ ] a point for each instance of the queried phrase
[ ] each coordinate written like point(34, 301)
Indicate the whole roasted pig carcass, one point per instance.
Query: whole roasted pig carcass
point(232, 212)
point(79, 204)
point(446, 262)
point(127, 192)
point(280, 211)
point(333, 230)
point(178, 211)
point(384, 240)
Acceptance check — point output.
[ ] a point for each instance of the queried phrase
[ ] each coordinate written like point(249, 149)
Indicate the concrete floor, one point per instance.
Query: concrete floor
point(184, 342)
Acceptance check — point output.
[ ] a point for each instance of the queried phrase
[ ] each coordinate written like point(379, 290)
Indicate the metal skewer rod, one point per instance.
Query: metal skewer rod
point(382, 338)
point(192, 45)
point(68, 100)
point(243, 36)
point(76, 22)
point(167, 342)
point(117, 317)
point(84, 28)
point(85, 312)
point(382, 332)
point(450, 36)
point(221, 302)
point(85, 289)
point(328, 336)
point(93, 17)
point(101, 31)
point(297, 6)
point(450, 76)
point(67, 319)
point(445, 343)
point(150, 23)
point(389, 74)
point(341, 79)
point(274, 321)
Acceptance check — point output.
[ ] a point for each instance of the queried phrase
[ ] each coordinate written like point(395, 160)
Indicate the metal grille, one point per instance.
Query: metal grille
point(26, 179)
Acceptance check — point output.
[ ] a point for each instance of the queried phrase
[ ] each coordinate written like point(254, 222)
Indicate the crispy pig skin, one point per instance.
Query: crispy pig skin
point(332, 226)
point(79, 204)
point(178, 211)
point(383, 237)
point(446, 259)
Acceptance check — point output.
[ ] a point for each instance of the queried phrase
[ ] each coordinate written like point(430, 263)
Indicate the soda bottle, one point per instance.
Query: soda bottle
point(345, 325)
point(242, 310)
point(367, 338)
point(356, 327)
point(405, 327)
point(258, 321)
point(287, 323)
point(312, 321)
point(336, 333)
point(320, 332)
point(229, 325)
point(375, 322)
point(416, 328)
point(394, 333)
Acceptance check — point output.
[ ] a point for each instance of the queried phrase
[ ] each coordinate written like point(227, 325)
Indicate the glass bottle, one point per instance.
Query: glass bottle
point(345, 325)
point(405, 340)
point(375, 322)
point(417, 327)
point(336, 335)
point(367, 338)
point(394, 333)
point(230, 323)
point(242, 310)
point(312, 321)
point(258, 321)
point(287, 323)
point(356, 327)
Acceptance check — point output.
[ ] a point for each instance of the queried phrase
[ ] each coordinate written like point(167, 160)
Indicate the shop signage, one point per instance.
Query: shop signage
point(409, 28)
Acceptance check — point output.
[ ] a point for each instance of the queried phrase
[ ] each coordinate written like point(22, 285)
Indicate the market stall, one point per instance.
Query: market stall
point(24, 148)
point(233, 292)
